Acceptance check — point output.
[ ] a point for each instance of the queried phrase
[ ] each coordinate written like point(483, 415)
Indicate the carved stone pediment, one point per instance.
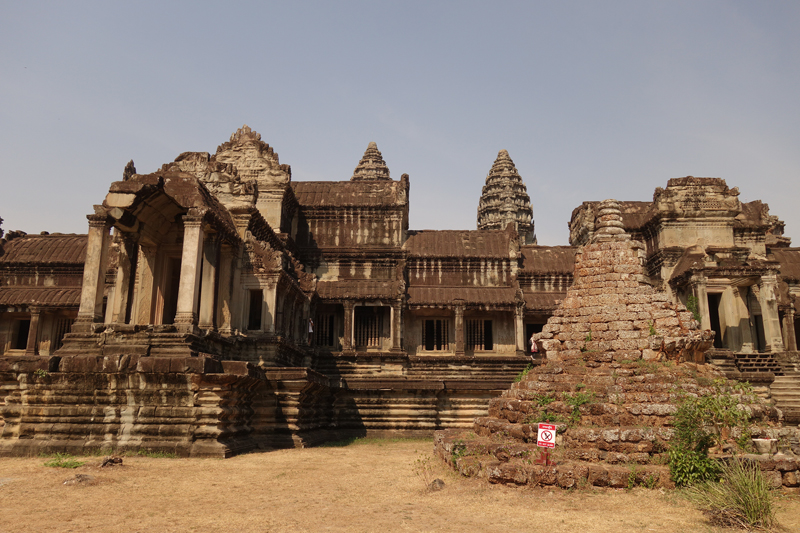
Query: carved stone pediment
point(221, 179)
point(254, 159)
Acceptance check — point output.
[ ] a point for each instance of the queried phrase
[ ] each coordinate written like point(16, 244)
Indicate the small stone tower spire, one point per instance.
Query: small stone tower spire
point(505, 199)
point(371, 166)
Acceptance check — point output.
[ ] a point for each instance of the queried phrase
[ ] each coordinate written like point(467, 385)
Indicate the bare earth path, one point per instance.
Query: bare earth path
point(361, 487)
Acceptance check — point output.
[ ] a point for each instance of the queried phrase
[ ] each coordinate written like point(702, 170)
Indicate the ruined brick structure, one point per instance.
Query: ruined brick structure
point(628, 353)
point(217, 305)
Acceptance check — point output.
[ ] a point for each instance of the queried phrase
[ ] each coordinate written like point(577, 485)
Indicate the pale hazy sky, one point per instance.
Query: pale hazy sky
point(592, 99)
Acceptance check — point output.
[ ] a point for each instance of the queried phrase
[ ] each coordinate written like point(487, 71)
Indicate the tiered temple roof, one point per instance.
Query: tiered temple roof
point(505, 199)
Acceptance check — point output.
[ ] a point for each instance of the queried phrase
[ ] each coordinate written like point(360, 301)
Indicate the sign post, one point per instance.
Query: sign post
point(546, 438)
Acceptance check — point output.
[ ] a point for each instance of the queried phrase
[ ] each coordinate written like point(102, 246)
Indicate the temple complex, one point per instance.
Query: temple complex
point(216, 305)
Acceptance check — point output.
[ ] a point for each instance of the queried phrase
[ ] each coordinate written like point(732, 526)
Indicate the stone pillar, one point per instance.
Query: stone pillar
point(224, 290)
point(118, 305)
point(208, 284)
point(397, 325)
point(699, 284)
point(143, 311)
point(349, 312)
point(459, 329)
point(768, 297)
point(91, 307)
point(191, 265)
point(519, 328)
point(33, 332)
point(789, 334)
point(269, 311)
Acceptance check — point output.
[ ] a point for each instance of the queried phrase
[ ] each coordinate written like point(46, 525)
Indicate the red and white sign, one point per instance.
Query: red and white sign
point(547, 436)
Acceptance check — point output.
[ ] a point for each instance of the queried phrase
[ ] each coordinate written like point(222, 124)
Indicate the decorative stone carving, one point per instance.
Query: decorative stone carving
point(505, 199)
point(254, 159)
point(129, 171)
point(372, 166)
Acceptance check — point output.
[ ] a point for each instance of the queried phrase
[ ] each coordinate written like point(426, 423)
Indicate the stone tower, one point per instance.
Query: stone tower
point(372, 166)
point(505, 199)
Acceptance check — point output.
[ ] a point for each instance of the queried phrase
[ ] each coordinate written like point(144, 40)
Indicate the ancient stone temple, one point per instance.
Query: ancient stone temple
point(505, 200)
point(218, 305)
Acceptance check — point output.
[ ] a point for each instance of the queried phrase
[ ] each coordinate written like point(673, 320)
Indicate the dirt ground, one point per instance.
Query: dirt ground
point(361, 487)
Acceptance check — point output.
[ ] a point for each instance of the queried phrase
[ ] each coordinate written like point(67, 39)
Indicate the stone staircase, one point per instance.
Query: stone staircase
point(758, 363)
point(785, 391)
point(724, 361)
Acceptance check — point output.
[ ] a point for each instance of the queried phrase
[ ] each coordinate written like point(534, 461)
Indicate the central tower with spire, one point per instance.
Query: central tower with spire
point(505, 199)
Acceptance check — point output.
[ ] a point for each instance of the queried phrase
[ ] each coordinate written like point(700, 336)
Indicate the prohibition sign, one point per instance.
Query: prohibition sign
point(547, 436)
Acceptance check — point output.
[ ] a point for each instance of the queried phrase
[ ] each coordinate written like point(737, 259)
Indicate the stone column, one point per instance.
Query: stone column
point(208, 283)
point(789, 334)
point(459, 329)
point(33, 332)
point(349, 312)
point(225, 284)
point(91, 307)
point(768, 297)
point(191, 265)
point(143, 310)
point(519, 328)
point(269, 311)
point(397, 316)
point(118, 306)
point(699, 284)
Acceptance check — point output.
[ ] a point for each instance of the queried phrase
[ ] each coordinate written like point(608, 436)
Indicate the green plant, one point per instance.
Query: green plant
point(653, 331)
point(576, 400)
point(588, 337)
point(651, 480)
point(151, 454)
point(543, 399)
point(459, 450)
point(522, 374)
point(579, 386)
point(702, 422)
point(64, 460)
point(41, 373)
point(632, 476)
point(423, 469)
point(693, 305)
point(544, 416)
point(742, 499)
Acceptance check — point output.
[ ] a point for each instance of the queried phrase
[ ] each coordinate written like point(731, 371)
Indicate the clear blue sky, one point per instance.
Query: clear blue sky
point(592, 100)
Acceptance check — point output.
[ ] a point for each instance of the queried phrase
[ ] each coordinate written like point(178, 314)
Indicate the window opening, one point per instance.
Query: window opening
point(62, 327)
point(324, 329)
point(479, 335)
point(435, 335)
point(254, 312)
point(23, 327)
point(368, 326)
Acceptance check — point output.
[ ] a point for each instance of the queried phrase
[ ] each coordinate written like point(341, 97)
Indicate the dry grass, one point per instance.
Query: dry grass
point(362, 487)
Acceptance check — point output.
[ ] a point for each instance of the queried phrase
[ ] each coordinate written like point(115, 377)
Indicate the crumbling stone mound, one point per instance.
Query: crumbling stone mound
point(617, 357)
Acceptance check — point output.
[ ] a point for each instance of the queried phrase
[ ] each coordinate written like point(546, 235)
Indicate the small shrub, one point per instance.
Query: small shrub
point(64, 460)
point(546, 417)
point(632, 477)
point(576, 400)
point(543, 399)
point(423, 469)
point(742, 499)
point(41, 373)
point(688, 467)
point(522, 374)
point(653, 331)
point(459, 450)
